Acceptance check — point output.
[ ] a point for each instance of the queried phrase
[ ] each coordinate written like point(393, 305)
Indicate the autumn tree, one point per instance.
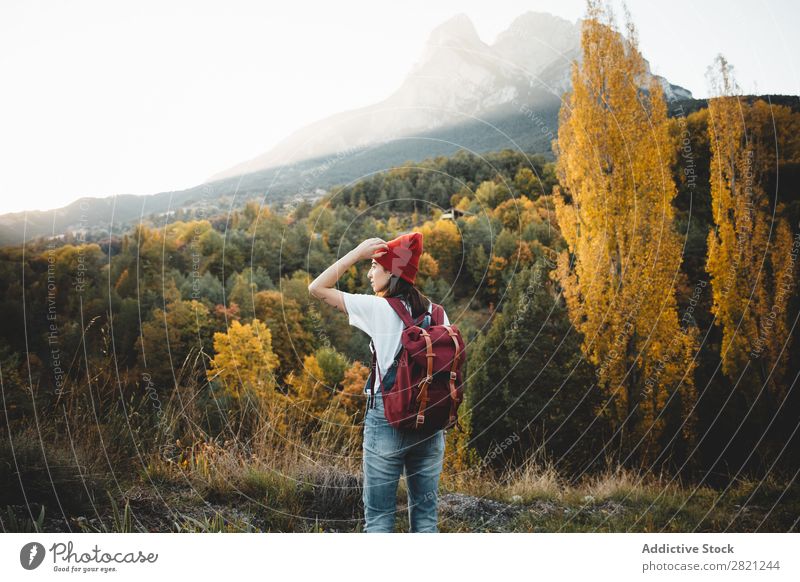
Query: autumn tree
point(490, 194)
point(615, 212)
point(340, 422)
point(292, 337)
point(443, 243)
point(242, 378)
point(428, 268)
point(244, 361)
point(351, 398)
point(308, 386)
point(750, 248)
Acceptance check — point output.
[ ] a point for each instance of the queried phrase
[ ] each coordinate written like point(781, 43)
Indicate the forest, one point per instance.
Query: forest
point(629, 309)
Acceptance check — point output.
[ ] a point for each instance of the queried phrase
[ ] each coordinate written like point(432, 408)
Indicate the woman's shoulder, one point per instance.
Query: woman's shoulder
point(365, 301)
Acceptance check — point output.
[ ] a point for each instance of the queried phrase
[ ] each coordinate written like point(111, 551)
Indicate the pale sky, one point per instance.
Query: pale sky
point(102, 98)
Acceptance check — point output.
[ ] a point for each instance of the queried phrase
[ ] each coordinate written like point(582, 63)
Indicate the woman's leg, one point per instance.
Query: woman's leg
point(423, 467)
point(383, 463)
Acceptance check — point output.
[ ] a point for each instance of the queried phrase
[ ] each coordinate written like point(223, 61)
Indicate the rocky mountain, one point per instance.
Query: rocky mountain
point(460, 93)
point(458, 77)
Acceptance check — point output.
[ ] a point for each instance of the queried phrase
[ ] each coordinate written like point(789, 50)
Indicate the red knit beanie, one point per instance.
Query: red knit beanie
point(402, 257)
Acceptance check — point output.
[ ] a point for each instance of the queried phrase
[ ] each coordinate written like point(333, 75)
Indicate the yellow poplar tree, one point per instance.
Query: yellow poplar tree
point(749, 250)
point(616, 214)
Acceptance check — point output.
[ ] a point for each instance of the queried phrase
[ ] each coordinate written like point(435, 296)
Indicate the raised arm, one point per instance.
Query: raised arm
point(323, 286)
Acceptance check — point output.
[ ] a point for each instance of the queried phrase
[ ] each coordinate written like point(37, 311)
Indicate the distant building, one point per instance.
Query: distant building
point(453, 214)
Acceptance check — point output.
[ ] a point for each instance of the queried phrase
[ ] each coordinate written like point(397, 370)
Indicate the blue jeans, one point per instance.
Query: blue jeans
point(388, 452)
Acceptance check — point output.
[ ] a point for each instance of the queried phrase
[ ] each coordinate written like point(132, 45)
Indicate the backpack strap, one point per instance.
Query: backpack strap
point(422, 398)
point(373, 367)
point(402, 312)
point(437, 314)
point(453, 368)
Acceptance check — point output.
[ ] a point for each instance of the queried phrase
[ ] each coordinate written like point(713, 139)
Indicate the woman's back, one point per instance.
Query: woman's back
point(374, 316)
point(388, 451)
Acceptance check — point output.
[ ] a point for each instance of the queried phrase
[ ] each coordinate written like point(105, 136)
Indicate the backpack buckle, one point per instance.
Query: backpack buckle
point(452, 375)
point(420, 419)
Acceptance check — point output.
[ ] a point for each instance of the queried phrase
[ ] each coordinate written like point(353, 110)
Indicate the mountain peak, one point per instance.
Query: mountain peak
point(457, 77)
point(448, 46)
point(458, 29)
point(536, 40)
point(538, 21)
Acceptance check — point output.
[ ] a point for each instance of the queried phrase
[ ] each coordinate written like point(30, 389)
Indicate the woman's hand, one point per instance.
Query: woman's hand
point(372, 248)
point(323, 286)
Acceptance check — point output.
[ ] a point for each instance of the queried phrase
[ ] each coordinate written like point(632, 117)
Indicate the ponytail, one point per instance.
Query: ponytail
point(399, 287)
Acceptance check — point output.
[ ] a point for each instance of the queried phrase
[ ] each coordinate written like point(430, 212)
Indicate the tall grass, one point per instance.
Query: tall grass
point(269, 466)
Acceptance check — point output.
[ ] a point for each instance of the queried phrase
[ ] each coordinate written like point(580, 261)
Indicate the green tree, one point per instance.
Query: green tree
point(172, 339)
point(528, 379)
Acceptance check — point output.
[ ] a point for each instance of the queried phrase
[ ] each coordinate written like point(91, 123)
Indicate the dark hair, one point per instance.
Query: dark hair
point(399, 287)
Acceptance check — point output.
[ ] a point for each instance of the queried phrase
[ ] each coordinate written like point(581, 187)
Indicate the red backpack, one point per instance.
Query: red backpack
point(424, 386)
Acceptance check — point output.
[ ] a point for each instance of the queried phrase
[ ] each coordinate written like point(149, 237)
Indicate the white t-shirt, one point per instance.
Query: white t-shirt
point(374, 316)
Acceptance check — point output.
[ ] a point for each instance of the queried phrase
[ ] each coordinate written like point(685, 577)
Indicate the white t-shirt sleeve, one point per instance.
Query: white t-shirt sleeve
point(369, 312)
point(362, 311)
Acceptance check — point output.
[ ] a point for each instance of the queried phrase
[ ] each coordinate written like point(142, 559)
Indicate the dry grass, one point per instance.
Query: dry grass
point(533, 481)
point(267, 466)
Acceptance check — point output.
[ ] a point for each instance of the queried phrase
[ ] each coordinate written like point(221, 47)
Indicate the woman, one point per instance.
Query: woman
point(389, 451)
